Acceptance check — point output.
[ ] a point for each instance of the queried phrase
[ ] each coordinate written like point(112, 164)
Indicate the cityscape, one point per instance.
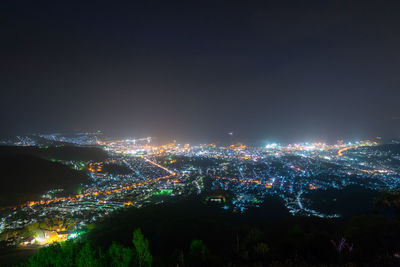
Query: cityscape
point(236, 176)
point(200, 133)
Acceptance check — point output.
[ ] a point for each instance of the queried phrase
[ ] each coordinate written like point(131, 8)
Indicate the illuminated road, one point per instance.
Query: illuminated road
point(244, 181)
point(132, 186)
point(159, 166)
point(340, 151)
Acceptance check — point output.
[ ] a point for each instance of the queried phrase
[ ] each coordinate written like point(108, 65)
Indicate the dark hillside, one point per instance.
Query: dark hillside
point(25, 177)
point(57, 152)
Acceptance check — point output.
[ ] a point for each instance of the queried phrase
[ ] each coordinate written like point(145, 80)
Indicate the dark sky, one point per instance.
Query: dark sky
point(195, 70)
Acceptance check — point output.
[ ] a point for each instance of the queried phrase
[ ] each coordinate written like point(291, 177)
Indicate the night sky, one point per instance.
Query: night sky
point(195, 70)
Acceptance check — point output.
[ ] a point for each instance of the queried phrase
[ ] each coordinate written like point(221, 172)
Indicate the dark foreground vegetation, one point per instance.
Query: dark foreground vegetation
point(28, 172)
point(192, 233)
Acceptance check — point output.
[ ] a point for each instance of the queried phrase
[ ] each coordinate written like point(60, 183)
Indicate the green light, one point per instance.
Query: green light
point(163, 192)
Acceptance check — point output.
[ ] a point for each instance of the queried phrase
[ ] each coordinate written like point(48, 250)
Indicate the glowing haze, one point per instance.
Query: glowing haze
point(282, 71)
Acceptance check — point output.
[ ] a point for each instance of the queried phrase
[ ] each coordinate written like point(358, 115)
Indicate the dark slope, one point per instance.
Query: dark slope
point(57, 152)
point(25, 177)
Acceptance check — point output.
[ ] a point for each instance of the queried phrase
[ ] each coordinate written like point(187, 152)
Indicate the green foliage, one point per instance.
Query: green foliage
point(198, 250)
point(48, 256)
point(69, 251)
point(119, 255)
point(68, 254)
point(55, 255)
point(141, 244)
point(72, 253)
point(88, 257)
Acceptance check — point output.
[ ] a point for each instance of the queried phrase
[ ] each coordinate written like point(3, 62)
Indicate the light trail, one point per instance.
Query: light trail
point(158, 165)
point(340, 151)
point(109, 192)
point(244, 181)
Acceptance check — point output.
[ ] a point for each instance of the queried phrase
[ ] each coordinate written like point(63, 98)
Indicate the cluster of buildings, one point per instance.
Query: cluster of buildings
point(156, 173)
